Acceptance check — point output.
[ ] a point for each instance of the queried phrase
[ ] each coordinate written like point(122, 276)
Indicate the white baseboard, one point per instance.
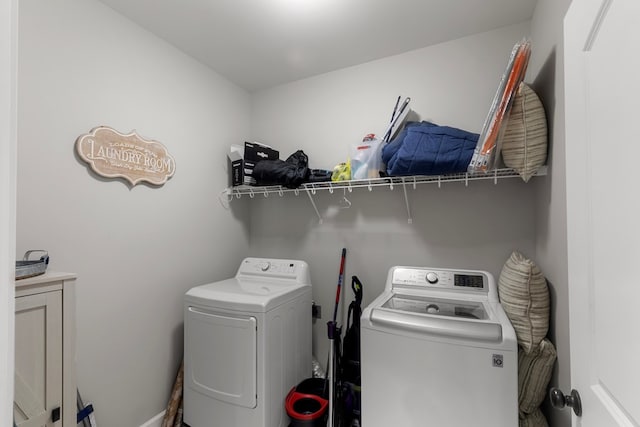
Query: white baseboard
point(155, 421)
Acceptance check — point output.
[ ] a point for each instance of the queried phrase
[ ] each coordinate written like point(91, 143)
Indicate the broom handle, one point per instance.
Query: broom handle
point(331, 383)
point(331, 329)
point(176, 398)
point(340, 281)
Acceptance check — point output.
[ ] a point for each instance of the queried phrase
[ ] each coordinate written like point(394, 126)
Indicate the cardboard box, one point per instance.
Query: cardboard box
point(235, 168)
point(254, 153)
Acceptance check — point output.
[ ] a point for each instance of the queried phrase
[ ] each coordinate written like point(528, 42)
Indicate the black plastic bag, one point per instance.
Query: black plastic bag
point(289, 173)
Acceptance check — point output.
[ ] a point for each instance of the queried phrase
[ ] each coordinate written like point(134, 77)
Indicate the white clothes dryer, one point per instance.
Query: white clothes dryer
point(437, 349)
point(247, 342)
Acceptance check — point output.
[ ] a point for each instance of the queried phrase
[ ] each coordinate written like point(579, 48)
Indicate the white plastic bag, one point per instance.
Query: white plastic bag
point(366, 158)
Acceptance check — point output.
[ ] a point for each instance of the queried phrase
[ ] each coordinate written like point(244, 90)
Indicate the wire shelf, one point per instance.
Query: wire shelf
point(389, 182)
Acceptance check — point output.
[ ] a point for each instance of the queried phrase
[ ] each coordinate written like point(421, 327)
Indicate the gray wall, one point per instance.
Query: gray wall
point(136, 251)
point(546, 73)
point(456, 226)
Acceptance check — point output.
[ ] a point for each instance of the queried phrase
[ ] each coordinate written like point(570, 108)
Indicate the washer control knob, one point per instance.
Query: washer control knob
point(432, 277)
point(433, 309)
point(264, 266)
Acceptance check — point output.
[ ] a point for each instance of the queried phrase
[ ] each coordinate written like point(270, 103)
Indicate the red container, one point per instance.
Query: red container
point(306, 405)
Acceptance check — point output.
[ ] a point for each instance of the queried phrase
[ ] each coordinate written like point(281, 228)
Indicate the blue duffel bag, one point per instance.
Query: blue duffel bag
point(424, 148)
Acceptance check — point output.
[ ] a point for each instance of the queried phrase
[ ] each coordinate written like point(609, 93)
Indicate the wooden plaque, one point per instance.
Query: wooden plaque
point(114, 155)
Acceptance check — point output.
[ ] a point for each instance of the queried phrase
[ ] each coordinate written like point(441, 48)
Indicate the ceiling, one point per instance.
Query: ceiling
point(259, 44)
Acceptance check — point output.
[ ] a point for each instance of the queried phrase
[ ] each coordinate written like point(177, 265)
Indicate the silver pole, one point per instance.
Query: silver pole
point(331, 384)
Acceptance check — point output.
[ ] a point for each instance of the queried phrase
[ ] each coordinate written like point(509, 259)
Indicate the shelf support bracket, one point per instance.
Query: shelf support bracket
point(313, 203)
point(406, 202)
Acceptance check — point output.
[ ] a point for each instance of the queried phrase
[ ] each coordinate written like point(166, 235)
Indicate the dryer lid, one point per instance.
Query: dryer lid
point(248, 295)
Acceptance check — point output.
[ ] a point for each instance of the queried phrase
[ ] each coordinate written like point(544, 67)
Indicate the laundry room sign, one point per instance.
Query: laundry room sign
point(112, 154)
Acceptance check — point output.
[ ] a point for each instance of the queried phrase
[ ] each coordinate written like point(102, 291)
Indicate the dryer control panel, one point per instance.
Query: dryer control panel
point(294, 270)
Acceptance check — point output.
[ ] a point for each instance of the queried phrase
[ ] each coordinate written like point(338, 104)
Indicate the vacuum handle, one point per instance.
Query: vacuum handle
point(356, 285)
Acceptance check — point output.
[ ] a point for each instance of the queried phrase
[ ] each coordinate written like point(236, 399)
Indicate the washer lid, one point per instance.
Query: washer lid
point(437, 306)
point(245, 294)
point(468, 320)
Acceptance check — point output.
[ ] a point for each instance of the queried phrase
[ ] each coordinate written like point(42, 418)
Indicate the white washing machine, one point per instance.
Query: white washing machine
point(247, 342)
point(437, 349)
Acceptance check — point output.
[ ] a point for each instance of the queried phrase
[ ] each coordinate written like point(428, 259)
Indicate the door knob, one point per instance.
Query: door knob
point(559, 400)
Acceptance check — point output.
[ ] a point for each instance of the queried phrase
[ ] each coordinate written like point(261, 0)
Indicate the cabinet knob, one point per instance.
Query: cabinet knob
point(559, 400)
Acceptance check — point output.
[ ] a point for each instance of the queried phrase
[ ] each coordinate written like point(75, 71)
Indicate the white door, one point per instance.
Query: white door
point(8, 67)
point(602, 97)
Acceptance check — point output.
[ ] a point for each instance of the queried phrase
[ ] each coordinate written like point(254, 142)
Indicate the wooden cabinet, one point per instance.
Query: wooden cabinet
point(45, 375)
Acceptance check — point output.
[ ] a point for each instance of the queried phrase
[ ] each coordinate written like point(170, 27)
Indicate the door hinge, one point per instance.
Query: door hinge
point(55, 414)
